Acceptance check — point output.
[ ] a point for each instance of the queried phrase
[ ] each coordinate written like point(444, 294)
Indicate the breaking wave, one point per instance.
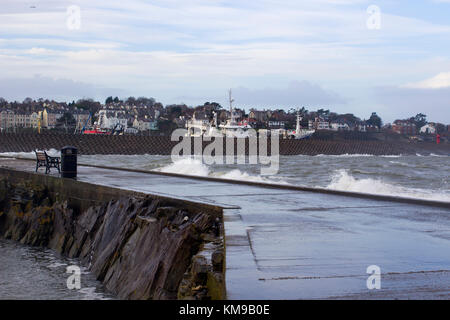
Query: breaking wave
point(30, 155)
point(343, 181)
point(356, 155)
point(188, 166)
point(195, 167)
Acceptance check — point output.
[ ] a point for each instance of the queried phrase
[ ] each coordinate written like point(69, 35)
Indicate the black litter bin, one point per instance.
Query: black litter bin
point(69, 162)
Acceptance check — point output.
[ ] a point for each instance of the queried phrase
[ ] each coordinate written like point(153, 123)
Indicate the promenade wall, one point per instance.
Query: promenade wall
point(162, 145)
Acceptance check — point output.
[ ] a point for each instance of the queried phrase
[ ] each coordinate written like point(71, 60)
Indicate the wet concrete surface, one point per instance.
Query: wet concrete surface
point(283, 244)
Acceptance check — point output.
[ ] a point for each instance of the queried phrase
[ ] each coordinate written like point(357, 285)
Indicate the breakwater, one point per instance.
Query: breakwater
point(162, 145)
point(139, 246)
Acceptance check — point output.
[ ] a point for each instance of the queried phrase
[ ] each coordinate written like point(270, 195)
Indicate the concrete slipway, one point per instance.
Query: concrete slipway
point(292, 244)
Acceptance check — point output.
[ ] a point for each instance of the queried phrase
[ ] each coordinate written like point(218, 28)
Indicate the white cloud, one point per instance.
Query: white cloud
point(442, 80)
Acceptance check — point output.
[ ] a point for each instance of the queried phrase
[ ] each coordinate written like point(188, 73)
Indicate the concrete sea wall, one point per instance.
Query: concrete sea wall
point(140, 246)
point(161, 145)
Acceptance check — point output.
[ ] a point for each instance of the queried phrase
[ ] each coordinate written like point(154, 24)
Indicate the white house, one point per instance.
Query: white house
point(428, 128)
point(318, 124)
point(145, 124)
point(339, 126)
point(109, 119)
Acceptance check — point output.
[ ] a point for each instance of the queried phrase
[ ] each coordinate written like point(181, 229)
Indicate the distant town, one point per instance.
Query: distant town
point(145, 116)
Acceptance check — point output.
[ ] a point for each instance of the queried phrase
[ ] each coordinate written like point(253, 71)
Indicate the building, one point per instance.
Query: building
point(7, 119)
point(82, 118)
point(405, 127)
point(53, 117)
point(429, 128)
point(276, 124)
point(339, 126)
point(366, 127)
point(318, 124)
point(260, 116)
point(111, 119)
point(199, 124)
point(145, 124)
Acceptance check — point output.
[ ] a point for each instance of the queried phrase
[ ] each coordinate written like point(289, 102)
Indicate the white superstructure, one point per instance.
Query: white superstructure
point(300, 133)
point(232, 128)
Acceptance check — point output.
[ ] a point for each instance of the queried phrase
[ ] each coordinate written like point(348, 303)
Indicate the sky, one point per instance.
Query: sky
point(390, 57)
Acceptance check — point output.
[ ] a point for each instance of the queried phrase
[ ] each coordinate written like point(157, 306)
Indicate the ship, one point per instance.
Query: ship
point(300, 133)
point(232, 128)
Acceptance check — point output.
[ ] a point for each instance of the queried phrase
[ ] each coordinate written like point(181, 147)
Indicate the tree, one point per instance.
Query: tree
point(67, 120)
point(374, 120)
point(323, 113)
point(214, 105)
point(350, 118)
point(109, 100)
point(3, 102)
point(174, 111)
point(145, 101)
point(27, 101)
point(88, 104)
point(131, 101)
point(420, 120)
point(440, 128)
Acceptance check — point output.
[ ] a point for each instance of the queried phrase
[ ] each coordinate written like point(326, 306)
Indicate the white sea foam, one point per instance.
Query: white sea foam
point(30, 155)
point(188, 166)
point(57, 265)
point(391, 156)
point(346, 155)
point(437, 155)
point(402, 164)
point(195, 167)
point(344, 181)
point(90, 293)
point(357, 155)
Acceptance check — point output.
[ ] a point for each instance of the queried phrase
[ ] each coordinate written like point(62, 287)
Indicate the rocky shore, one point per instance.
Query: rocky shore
point(139, 246)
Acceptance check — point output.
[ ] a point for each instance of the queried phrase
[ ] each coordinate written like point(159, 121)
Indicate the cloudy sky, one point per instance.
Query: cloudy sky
point(341, 55)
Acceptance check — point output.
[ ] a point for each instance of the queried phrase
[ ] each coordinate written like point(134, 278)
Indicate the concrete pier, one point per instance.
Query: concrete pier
point(291, 244)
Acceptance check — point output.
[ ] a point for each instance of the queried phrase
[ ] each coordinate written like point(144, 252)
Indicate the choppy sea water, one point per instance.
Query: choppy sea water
point(33, 273)
point(420, 177)
point(413, 176)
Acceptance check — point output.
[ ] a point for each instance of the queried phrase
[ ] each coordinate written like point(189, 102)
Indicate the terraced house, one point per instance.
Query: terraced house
point(19, 119)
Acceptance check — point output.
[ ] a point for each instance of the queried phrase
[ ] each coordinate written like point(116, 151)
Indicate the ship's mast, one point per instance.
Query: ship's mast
point(297, 128)
point(232, 118)
point(231, 101)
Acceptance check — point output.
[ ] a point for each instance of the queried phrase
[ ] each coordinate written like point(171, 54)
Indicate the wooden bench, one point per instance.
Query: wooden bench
point(44, 160)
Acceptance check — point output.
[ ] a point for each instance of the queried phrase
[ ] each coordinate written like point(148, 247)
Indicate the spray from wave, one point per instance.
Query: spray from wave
point(188, 166)
point(343, 181)
point(30, 155)
point(195, 167)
